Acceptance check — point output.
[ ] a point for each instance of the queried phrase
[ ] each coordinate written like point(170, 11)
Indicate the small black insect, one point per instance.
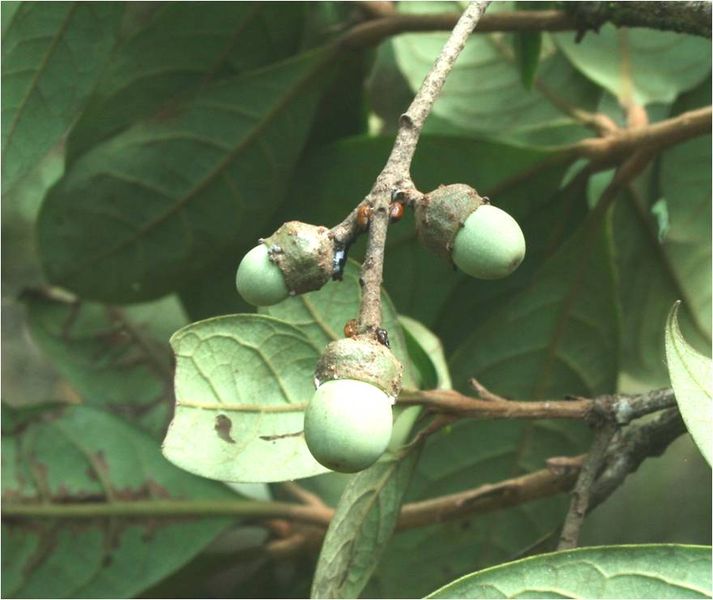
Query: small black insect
point(339, 260)
point(383, 336)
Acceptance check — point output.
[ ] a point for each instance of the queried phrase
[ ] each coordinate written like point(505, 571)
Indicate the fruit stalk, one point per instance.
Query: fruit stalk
point(396, 173)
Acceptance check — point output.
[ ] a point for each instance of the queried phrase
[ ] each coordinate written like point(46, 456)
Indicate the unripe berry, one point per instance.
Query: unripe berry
point(348, 424)
point(260, 281)
point(482, 240)
point(348, 421)
point(490, 245)
point(297, 258)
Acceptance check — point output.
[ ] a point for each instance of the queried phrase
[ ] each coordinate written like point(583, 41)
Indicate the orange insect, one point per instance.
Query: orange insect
point(350, 328)
point(363, 216)
point(396, 211)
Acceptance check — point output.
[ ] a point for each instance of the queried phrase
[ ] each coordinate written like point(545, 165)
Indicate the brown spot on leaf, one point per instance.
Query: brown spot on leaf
point(223, 425)
point(279, 436)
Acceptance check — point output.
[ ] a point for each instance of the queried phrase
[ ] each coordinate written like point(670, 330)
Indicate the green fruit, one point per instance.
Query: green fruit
point(490, 245)
point(348, 424)
point(440, 214)
point(260, 281)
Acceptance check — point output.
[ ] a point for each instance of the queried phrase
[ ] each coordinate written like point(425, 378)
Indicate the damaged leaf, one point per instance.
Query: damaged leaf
point(82, 454)
point(242, 385)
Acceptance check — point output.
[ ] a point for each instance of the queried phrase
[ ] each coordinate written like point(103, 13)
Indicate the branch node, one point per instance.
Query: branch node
point(406, 122)
point(483, 392)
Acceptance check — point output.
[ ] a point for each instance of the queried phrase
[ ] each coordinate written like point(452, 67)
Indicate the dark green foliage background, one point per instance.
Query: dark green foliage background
point(147, 146)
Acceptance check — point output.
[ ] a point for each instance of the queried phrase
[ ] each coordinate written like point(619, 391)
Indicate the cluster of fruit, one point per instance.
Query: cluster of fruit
point(348, 420)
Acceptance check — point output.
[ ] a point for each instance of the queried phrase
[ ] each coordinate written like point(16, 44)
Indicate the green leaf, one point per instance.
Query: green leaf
point(21, 204)
point(485, 74)
point(242, 384)
point(385, 75)
point(426, 355)
point(214, 294)
point(646, 571)
point(429, 349)
point(428, 378)
point(361, 527)
point(656, 272)
point(115, 359)
point(161, 201)
point(52, 57)
point(321, 315)
point(85, 454)
point(167, 57)
point(650, 66)
point(691, 377)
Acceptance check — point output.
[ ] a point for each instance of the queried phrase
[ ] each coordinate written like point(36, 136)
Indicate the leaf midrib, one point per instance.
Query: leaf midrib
point(40, 70)
point(376, 489)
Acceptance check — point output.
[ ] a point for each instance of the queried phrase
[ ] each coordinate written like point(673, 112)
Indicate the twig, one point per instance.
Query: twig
point(456, 404)
point(631, 447)
point(489, 497)
point(376, 9)
point(582, 489)
point(618, 408)
point(436, 424)
point(623, 456)
point(286, 547)
point(396, 173)
point(652, 138)
point(685, 17)
point(303, 495)
point(303, 538)
point(629, 407)
point(602, 124)
point(614, 145)
point(483, 392)
point(168, 508)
